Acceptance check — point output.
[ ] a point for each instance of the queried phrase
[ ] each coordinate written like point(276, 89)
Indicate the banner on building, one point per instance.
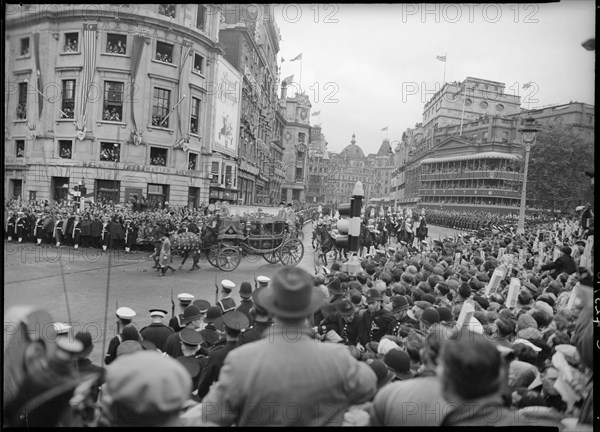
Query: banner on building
point(227, 108)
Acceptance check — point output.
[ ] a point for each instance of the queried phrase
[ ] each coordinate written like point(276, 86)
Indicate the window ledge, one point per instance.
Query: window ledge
point(164, 63)
point(200, 74)
point(21, 57)
point(171, 131)
point(20, 121)
point(115, 55)
point(69, 53)
point(196, 136)
point(109, 123)
point(65, 120)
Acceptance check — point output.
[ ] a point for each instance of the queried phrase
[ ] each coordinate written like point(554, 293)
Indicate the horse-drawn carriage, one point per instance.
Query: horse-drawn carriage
point(240, 237)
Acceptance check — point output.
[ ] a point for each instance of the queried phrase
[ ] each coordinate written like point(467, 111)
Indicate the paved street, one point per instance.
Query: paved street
point(33, 275)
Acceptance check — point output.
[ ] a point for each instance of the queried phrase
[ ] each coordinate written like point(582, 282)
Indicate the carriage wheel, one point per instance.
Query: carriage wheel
point(212, 254)
point(272, 257)
point(291, 252)
point(229, 258)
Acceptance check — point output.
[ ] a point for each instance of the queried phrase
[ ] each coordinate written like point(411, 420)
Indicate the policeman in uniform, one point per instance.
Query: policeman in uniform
point(261, 322)
point(190, 359)
point(157, 332)
point(246, 302)
point(203, 305)
point(376, 319)
point(124, 316)
point(351, 330)
point(234, 322)
point(227, 304)
point(211, 335)
point(400, 307)
point(185, 300)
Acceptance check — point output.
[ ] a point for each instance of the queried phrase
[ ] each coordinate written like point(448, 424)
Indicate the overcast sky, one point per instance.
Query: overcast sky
point(365, 67)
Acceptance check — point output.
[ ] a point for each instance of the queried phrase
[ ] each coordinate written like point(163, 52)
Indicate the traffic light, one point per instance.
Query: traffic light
point(343, 226)
point(344, 210)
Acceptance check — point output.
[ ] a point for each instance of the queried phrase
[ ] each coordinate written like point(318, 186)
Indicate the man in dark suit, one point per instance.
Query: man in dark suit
point(234, 322)
point(157, 332)
point(563, 264)
point(261, 321)
point(191, 318)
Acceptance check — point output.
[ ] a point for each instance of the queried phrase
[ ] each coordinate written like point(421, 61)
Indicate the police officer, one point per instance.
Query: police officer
point(157, 332)
point(234, 322)
point(400, 307)
point(124, 317)
point(227, 304)
point(211, 334)
point(376, 319)
point(246, 299)
point(185, 300)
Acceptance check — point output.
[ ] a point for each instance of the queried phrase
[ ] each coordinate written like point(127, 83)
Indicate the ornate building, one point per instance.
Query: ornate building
point(117, 97)
point(251, 40)
point(295, 140)
point(382, 166)
point(318, 166)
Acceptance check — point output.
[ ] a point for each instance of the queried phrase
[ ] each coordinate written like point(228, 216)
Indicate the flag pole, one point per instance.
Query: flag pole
point(300, 72)
point(445, 61)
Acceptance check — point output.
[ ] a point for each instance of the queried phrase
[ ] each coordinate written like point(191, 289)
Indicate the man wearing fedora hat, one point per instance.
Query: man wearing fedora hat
point(157, 332)
point(190, 318)
point(233, 322)
point(288, 368)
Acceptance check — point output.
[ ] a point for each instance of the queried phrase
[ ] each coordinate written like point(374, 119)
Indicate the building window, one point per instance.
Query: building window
point(65, 149)
point(167, 10)
point(110, 152)
point(483, 104)
point(157, 195)
point(158, 156)
point(71, 42)
point(296, 194)
point(194, 116)
point(22, 105)
point(24, 46)
point(198, 64)
point(60, 185)
point(228, 176)
point(499, 108)
point(20, 148)
point(68, 99)
point(590, 119)
point(116, 43)
point(113, 101)
point(505, 136)
point(193, 194)
point(107, 191)
point(193, 161)
point(299, 176)
point(160, 107)
point(201, 18)
point(301, 137)
point(164, 52)
point(485, 137)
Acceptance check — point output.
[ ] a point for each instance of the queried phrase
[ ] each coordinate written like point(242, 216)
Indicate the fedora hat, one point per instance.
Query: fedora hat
point(190, 314)
point(291, 294)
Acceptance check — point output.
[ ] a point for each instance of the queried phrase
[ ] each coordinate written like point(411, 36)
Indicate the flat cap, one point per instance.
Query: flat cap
point(147, 386)
point(158, 312)
point(125, 313)
point(235, 320)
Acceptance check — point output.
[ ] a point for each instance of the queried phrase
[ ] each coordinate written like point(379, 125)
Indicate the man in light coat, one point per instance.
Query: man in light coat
point(288, 378)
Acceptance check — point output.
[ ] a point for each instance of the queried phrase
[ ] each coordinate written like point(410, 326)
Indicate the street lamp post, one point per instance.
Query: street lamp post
point(529, 131)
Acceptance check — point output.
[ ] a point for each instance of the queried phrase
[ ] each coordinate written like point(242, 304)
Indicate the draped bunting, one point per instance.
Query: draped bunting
point(88, 49)
point(137, 48)
point(186, 48)
point(38, 72)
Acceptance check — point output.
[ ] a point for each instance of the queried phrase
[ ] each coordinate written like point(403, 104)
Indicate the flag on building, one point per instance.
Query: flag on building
point(384, 129)
point(288, 79)
point(298, 57)
point(88, 48)
point(316, 113)
point(441, 58)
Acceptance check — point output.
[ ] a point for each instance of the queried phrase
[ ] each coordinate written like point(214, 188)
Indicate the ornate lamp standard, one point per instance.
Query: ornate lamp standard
point(529, 131)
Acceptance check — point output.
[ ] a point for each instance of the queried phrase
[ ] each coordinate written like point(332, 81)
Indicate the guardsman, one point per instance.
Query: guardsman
point(39, 228)
point(11, 225)
point(105, 233)
point(76, 231)
point(193, 362)
point(157, 332)
point(233, 322)
point(185, 300)
point(22, 226)
point(124, 317)
point(246, 302)
point(227, 304)
point(58, 229)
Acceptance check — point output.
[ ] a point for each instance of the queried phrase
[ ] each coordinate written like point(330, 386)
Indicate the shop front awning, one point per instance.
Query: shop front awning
point(484, 155)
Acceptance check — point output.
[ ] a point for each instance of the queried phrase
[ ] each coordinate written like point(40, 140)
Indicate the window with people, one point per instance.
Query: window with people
point(110, 152)
point(167, 10)
point(161, 107)
point(164, 52)
point(113, 101)
point(65, 149)
point(22, 104)
point(71, 43)
point(116, 44)
point(158, 156)
point(68, 99)
point(24, 49)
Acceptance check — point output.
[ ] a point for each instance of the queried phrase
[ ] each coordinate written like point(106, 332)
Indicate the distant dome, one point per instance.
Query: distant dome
point(352, 151)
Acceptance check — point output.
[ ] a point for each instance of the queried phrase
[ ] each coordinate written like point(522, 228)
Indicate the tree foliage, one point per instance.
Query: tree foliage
point(557, 163)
